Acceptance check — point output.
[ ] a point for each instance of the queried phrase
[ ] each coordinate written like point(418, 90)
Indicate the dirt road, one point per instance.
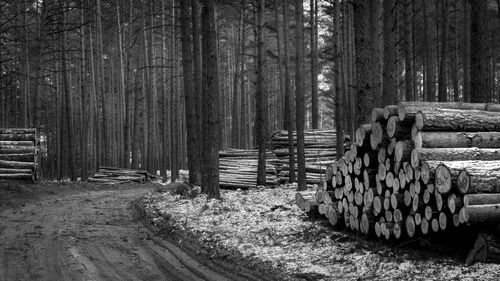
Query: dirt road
point(91, 235)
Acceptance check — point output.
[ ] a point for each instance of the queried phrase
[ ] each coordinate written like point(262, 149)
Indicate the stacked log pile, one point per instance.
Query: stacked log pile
point(113, 175)
point(320, 153)
point(418, 168)
point(19, 154)
point(238, 168)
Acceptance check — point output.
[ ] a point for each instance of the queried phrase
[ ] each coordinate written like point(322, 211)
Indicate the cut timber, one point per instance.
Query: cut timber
point(412, 107)
point(18, 137)
point(390, 110)
point(16, 143)
point(455, 203)
point(477, 176)
point(410, 226)
point(12, 149)
point(377, 114)
point(17, 131)
point(398, 129)
point(25, 157)
point(457, 154)
point(17, 165)
point(457, 120)
point(402, 152)
point(481, 199)
point(444, 176)
point(19, 176)
point(457, 139)
point(482, 213)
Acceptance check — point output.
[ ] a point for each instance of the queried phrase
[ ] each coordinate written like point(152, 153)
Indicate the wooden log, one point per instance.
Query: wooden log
point(15, 171)
point(435, 225)
point(13, 149)
point(489, 213)
point(17, 165)
point(481, 199)
point(457, 154)
point(402, 152)
point(457, 139)
point(477, 176)
point(402, 179)
point(311, 207)
point(410, 226)
point(382, 155)
point(377, 135)
point(407, 198)
point(426, 196)
point(300, 201)
point(18, 176)
point(418, 218)
point(391, 146)
point(398, 129)
point(377, 205)
point(377, 114)
point(17, 131)
point(454, 203)
point(398, 215)
point(390, 110)
point(457, 120)
point(4, 143)
point(24, 157)
point(397, 200)
point(443, 221)
point(367, 224)
point(424, 226)
point(18, 137)
point(439, 201)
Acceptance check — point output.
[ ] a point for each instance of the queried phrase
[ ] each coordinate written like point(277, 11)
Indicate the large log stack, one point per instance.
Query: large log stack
point(320, 153)
point(238, 168)
point(418, 168)
point(19, 154)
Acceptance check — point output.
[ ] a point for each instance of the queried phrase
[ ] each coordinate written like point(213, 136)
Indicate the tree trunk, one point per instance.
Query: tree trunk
point(210, 175)
point(466, 45)
point(104, 128)
point(409, 60)
point(261, 119)
point(339, 101)
point(299, 94)
point(389, 84)
point(429, 87)
point(190, 100)
point(314, 63)
point(480, 72)
point(442, 80)
point(365, 74)
point(288, 94)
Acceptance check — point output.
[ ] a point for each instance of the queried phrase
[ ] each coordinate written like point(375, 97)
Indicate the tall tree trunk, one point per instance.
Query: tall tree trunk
point(69, 141)
point(409, 61)
point(374, 25)
point(389, 84)
point(189, 95)
point(454, 61)
point(442, 80)
point(466, 51)
point(429, 88)
point(174, 107)
point(365, 96)
point(104, 108)
point(261, 104)
point(314, 64)
point(235, 114)
point(164, 111)
point(197, 65)
point(210, 175)
point(299, 94)
point(480, 72)
point(122, 92)
point(84, 139)
point(339, 103)
point(288, 94)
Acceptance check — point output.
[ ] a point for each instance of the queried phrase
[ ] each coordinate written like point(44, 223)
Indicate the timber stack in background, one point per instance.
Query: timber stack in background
point(320, 153)
point(418, 168)
point(115, 175)
point(19, 154)
point(238, 168)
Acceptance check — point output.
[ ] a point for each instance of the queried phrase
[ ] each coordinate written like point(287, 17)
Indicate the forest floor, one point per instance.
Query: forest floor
point(264, 229)
point(81, 231)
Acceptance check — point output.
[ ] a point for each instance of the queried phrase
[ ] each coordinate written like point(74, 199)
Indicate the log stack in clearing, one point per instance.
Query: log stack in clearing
point(113, 175)
point(320, 153)
point(19, 154)
point(238, 168)
point(418, 168)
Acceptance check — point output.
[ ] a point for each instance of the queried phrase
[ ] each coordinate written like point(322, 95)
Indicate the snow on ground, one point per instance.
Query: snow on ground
point(266, 225)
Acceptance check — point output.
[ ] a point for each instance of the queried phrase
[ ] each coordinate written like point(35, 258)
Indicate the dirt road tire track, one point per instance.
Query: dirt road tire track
point(94, 236)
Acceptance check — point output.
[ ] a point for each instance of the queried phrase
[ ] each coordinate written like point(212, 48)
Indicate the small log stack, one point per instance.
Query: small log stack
point(238, 168)
point(320, 153)
point(417, 169)
point(114, 175)
point(19, 154)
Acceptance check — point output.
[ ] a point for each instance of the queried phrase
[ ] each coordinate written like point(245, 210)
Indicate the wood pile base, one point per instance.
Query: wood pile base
point(418, 169)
